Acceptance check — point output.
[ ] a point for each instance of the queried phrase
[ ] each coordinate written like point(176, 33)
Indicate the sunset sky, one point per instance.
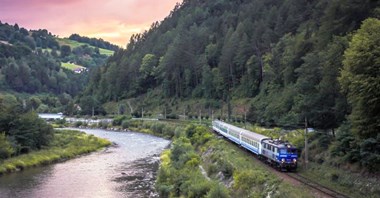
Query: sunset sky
point(112, 20)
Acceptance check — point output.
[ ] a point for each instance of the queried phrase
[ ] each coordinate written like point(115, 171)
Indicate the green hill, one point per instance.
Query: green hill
point(275, 63)
point(42, 70)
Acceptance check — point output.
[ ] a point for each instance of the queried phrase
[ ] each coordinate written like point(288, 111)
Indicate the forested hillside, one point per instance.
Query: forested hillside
point(52, 69)
point(29, 63)
point(291, 59)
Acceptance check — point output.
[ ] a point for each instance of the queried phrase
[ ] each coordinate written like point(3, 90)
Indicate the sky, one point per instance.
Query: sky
point(112, 20)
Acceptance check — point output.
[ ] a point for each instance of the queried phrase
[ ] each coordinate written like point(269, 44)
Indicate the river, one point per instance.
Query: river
point(126, 169)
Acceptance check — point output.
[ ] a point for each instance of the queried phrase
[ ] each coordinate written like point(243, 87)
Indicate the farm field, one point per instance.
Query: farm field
point(71, 66)
point(74, 44)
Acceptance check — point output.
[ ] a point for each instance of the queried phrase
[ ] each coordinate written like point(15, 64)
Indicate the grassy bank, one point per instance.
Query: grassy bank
point(352, 184)
point(201, 165)
point(66, 144)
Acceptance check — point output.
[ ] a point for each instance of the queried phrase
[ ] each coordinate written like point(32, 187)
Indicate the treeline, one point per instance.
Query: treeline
point(15, 35)
point(21, 130)
point(94, 42)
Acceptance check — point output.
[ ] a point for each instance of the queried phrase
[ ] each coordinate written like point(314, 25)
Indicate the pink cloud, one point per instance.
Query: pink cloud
point(113, 20)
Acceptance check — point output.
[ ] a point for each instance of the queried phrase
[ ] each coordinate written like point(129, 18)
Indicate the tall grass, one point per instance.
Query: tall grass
point(66, 144)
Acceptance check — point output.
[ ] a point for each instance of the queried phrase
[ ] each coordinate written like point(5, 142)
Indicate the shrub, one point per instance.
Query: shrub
point(226, 168)
point(6, 149)
point(157, 128)
point(125, 124)
point(78, 124)
point(198, 188)
point(118, 120)
point(212, 169)
point(102, 125)
point(168, 131)
point(164, 190)
point(218, 191)
point(172, 116)
point(246, 179)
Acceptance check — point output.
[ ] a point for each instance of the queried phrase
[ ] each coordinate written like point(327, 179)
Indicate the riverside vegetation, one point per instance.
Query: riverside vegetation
point(64, 145)
point(26, 140)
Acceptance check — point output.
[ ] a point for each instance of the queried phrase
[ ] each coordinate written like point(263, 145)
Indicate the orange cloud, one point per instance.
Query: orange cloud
point(112, 20)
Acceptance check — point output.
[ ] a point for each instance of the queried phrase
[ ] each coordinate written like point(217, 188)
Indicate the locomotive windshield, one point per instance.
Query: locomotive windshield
point(288, 151)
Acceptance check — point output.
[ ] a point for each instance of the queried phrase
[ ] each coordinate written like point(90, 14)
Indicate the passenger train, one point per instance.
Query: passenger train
point(278, 153)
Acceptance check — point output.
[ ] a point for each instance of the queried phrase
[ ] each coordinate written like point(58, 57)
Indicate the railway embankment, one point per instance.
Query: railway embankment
point(230, 172)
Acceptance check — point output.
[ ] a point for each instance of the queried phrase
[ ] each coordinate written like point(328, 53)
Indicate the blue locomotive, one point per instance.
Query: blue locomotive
point(275, 152)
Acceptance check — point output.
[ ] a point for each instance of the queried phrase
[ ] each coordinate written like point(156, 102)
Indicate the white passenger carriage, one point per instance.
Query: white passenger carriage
point(278, 153)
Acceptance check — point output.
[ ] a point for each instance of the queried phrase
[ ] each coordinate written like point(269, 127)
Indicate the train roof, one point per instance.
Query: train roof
point(279, 143)
point(244, 132)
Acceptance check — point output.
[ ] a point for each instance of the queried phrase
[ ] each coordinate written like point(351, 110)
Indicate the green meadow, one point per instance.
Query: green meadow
point(74, 44)
point(70, 66)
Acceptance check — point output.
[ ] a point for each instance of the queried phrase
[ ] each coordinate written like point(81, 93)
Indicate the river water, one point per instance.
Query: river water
point(126, 169)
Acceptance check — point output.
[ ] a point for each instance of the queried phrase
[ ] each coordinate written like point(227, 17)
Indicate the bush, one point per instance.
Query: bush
point(246, 179)
point(6, 149)
point(118, 120)
point(212, 169)
point(125, 124)
point(78, 124)
point(226, 168)
point(103, 125)
point(198, 188)
point(168, 131)
point(370, 154)
point(164, 190)
point(157, 127)
point(218, 191)
point(172, 116)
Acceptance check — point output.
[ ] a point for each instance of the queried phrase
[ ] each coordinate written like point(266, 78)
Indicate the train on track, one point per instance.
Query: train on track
point(277, 153)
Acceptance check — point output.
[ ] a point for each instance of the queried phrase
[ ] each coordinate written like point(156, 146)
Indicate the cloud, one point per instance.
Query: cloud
point(112, 20)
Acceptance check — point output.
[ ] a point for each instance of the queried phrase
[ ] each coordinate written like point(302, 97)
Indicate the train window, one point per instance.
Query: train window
point(283, 151)
point(292, 151)
point(276, 150)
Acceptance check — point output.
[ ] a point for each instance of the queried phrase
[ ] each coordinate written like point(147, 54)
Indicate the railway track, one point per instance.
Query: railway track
point(325, 190)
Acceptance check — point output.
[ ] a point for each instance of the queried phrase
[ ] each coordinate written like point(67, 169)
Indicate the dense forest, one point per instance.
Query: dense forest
point(291, 59)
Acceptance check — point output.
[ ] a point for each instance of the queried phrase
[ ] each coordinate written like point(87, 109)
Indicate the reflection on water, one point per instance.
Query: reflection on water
point(126, 169)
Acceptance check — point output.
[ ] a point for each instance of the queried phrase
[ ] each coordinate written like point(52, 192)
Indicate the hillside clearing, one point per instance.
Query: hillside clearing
point(74, 44)
point(71, 66)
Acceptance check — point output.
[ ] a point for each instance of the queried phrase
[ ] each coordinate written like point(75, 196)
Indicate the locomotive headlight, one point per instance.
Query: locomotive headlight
point(283, 160)
point(294, 160)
